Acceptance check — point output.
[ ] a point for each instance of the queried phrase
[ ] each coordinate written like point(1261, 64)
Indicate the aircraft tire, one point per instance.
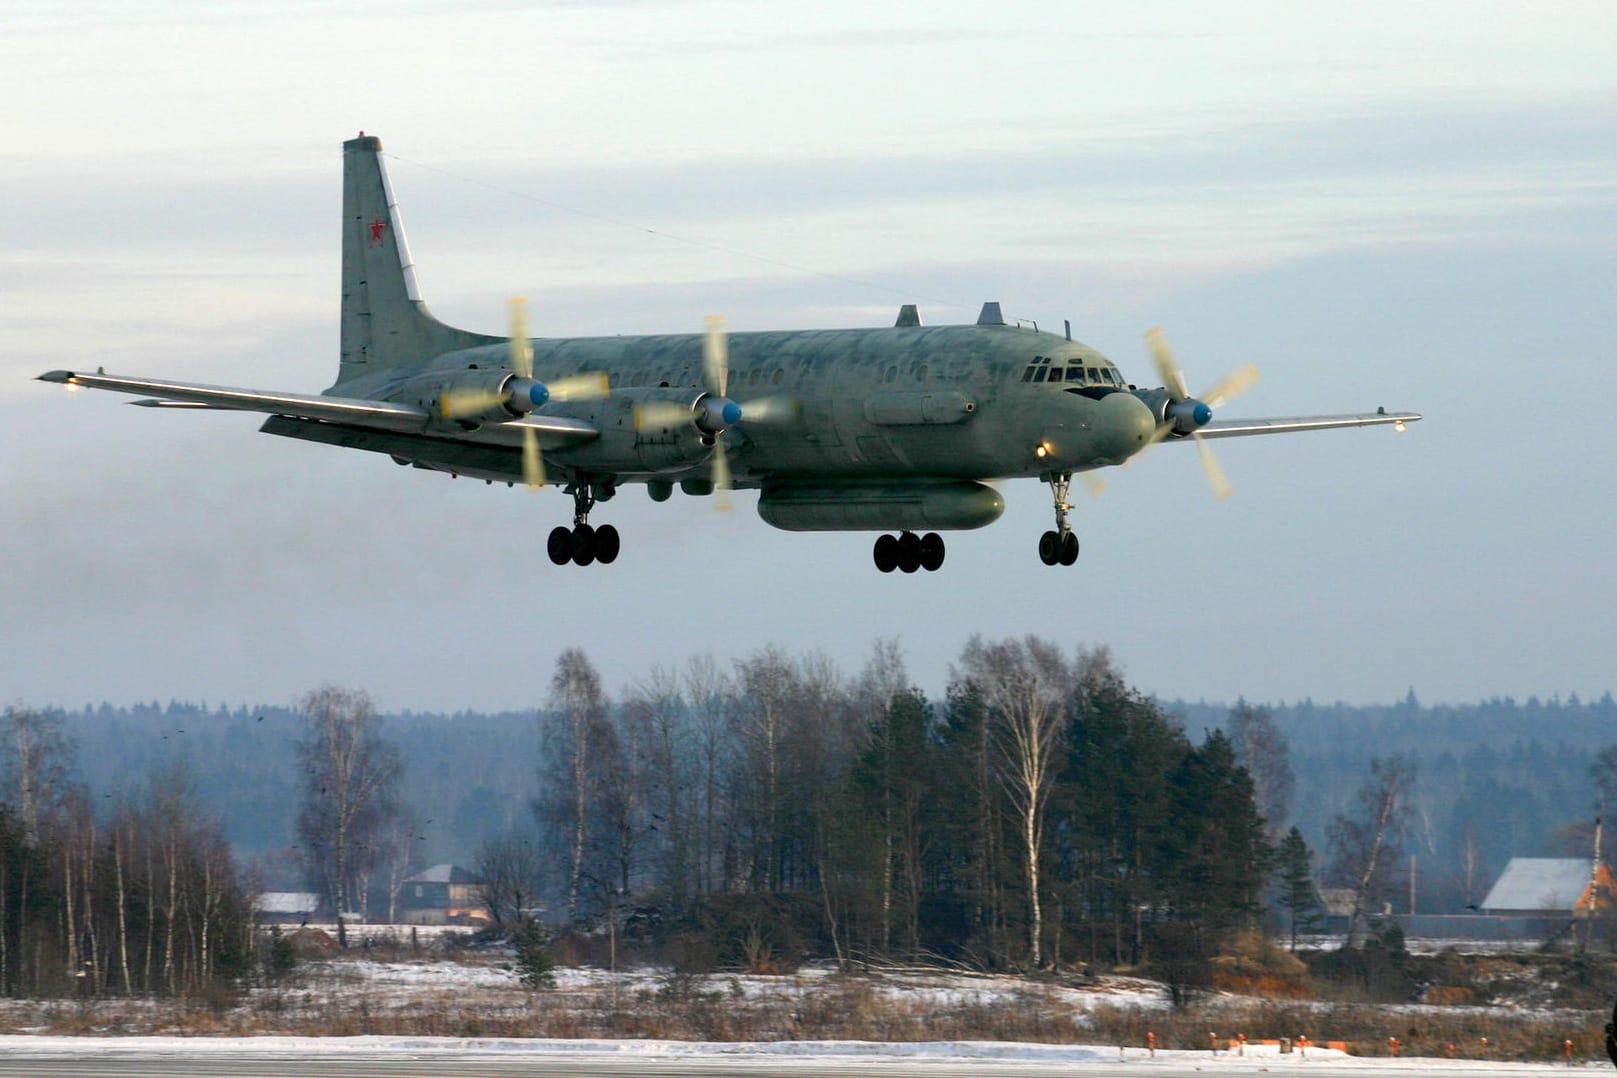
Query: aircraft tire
point(607, 544)
point(1050, 548)
point(932, 552)
point(1069, 548)
point(560, 545)
point(909, 552)
point(583, 544)
point(885, 553)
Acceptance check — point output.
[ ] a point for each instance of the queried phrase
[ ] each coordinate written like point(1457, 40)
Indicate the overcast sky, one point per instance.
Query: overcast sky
point(1377, 203)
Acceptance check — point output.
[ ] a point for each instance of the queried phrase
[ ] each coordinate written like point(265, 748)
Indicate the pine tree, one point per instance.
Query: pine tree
point(1294, 866)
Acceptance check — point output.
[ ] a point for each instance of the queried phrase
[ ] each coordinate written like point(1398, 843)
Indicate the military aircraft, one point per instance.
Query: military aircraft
point(899, 430)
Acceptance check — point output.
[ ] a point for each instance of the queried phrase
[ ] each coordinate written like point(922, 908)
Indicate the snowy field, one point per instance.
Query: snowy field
point(383, 1007)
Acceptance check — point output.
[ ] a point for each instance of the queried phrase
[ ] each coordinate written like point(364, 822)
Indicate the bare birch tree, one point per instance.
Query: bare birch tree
point(575, 742)
point(1024, 685)
point(1262, 750)
point(350, 784)
point(36, 755)
point(1367, 843)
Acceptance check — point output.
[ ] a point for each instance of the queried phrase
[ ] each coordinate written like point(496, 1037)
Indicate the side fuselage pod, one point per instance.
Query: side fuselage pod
point(941, 506)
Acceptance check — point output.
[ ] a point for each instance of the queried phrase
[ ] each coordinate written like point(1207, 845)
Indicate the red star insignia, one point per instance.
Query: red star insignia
point(378, 226)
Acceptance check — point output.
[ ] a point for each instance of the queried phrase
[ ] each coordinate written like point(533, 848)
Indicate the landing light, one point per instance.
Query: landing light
point(1042, 451)
point(1400, 426)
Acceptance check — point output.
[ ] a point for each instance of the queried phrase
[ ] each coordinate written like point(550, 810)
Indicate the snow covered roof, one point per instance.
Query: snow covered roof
point(445, 873)
point(286, 902)
point(1549, 884)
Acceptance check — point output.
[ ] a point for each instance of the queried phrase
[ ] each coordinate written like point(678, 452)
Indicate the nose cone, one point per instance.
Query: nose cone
point(1123, 426)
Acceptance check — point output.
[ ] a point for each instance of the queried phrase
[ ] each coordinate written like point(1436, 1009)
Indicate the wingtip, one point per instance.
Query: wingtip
point(60, 377)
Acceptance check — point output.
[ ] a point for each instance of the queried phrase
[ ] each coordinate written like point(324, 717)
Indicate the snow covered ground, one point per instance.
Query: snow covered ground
point(800, 1055)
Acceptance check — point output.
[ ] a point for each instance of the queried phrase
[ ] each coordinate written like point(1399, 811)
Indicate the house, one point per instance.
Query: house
point(1552, 887)
point(285, 907)
point(443, 895)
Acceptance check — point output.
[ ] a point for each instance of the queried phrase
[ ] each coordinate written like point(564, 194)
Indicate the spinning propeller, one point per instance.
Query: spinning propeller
point(1185, 414)
point(714, 412)
point(520, 394)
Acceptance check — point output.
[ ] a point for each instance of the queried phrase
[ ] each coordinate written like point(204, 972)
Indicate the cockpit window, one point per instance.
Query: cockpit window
point(1039, 373)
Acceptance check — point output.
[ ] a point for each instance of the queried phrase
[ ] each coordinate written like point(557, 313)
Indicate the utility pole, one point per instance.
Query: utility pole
point(1594, 869)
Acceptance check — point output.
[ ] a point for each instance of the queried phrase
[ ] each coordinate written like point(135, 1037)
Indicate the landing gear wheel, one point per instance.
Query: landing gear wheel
point(560, 545)
point(1069, 548)
point(583, 544)
point(909, 552)
point(931, 552)
point(886, 553)
point(607, 544)
point(1050, 548)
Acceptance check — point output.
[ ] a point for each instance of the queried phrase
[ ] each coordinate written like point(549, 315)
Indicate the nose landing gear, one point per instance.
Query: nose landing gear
point(582, 544)
point(1059, 547)
point(908, 552)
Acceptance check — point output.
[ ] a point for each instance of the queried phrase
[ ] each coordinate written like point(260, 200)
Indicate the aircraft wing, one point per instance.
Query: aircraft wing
point(1236, 428)
point(383, 415)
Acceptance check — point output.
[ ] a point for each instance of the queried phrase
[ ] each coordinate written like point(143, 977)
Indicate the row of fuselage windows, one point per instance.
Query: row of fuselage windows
point(1041, 370)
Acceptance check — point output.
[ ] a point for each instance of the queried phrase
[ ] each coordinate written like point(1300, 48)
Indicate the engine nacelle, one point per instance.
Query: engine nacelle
point(943, 506)
point(475, 396)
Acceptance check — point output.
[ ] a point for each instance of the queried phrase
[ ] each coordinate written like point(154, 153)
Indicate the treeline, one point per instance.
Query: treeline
point(1498, 779)
point(1043, 813)
point(134, 896)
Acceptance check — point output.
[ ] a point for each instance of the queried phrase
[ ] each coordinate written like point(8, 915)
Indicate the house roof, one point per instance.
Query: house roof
point(286, 902)
point(445, 873)
point(1550, 884)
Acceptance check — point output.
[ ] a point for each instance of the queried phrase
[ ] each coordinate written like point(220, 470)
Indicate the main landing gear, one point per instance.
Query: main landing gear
point(1059, 547)
point(582, 544)
point(909, 552)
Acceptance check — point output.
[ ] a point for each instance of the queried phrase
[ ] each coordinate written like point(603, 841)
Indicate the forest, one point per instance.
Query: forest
point(1043, 813)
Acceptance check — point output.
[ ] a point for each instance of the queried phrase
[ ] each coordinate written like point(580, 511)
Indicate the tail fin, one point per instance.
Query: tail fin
point(384, 321)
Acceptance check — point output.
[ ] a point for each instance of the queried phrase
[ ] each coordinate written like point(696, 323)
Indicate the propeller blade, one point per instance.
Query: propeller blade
point(465, 402)
point(533, 466)
point(716, 357)
point(521, 346)
point(1172, 378)
point(1231, 385)
point(589, 386)
point(1215, 474)
point(661, 414)
point(1093, 482)
point(721, 477)
point(770, 409)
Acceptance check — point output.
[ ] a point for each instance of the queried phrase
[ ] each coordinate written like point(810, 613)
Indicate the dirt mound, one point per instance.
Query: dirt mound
point(313, 943)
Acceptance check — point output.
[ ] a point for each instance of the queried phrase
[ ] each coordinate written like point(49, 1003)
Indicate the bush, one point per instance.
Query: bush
point(280, 958)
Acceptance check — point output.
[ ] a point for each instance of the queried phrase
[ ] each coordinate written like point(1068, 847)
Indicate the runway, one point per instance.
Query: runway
point(198, 1061)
